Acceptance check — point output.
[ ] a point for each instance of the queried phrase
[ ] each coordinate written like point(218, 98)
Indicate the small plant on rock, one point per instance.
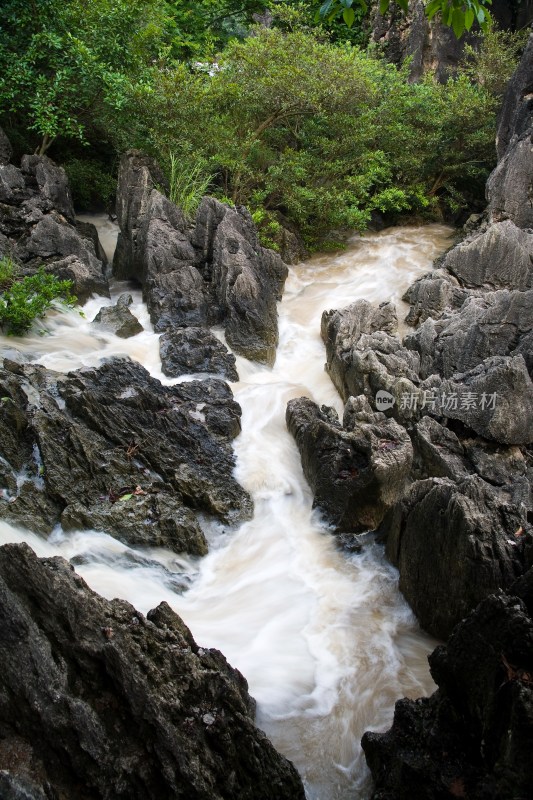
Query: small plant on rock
point(29, 298)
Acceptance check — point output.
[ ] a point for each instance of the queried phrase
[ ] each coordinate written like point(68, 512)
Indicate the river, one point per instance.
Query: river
point(324, 638)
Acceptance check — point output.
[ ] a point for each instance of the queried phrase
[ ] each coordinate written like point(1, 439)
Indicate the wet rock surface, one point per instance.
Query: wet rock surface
point(472, 738)
point(118, 319)
point(102, 702)
point(356, 471)
point(38, 228)
point(209, 271)
point(190, 350)
point(110, 448)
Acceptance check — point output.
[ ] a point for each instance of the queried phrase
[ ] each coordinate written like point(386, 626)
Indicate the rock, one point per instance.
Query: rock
point(158, 519)
point(454, 544)
point(246, 280)
point(211, 272)
point(500, 257)
point(188, 350)
point(493, 323)
point(112, 449)
point(138, 175)
point(351, 334)
point(89, 231)
point(98, 696)
point(440, 452)
point(118, 319)
point(516, 114)
point(510, 185)
point(494, 399)
point(52, 183)
point(357, 472)
point(433, 293)
point(481, 717)
point(6, 151)
point(37, 227)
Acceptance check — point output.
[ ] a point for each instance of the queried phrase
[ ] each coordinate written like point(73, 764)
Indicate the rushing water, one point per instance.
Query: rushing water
point(324, 639)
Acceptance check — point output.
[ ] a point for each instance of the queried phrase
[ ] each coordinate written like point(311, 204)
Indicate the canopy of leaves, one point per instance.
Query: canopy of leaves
point(323, 134)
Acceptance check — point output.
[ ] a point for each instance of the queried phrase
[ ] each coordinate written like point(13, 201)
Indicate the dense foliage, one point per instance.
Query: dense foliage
point(26, 299)
point(300, 124)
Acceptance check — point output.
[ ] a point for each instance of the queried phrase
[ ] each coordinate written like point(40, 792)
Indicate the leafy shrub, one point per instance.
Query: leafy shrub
point(30, 298)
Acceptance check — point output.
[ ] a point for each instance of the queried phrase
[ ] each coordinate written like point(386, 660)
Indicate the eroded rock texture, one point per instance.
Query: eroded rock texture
point(473, 737)
point(111, 448)
point(100, 702)
point(38, 227)
point(210, 271)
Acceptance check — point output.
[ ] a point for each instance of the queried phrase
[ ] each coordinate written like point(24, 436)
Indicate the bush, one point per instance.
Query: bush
point(8, 272)
point(30, 298)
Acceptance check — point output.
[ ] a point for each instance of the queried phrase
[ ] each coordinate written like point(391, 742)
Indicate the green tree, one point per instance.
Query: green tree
point(63, 61)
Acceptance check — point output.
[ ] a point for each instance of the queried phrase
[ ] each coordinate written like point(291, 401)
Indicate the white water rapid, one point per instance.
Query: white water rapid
point(325, 640)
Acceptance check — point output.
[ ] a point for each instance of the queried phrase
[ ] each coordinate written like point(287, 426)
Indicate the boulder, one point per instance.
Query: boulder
point(52, 184)
point(188, 350)
point(355, 472)
point(111, 448)
point(494, 323)
point(433, 293)
point(494, 399)
point(38, 228)
point(510, 185)
point(246, 281)
point(118, 319)
point(212, 271)
point(499, 257)
point(102, 702)
point(454, 544)
point(472, 738)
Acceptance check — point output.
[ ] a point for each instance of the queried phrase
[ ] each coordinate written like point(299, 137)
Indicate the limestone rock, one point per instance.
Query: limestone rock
point(189, 350)
point(357, 472)
point(481, 717)
point(454, 544)
point(500, 257)
point(102, 702)
point(118, 318)
point(111, 448)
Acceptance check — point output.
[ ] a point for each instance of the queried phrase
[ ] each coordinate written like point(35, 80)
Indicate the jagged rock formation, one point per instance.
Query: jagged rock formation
point(100, 702)
point(356, 470)
point(111, 448)
point(38, 227)
point(463, 531)
point(473, 737)
point(190, 350)
point(459, 387)
point(212, 271)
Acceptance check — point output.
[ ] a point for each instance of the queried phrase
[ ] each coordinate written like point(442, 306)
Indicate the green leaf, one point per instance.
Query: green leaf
point(458, 22)
point(383, 6)
point(404, 5)
point(349, 16)
point(432, 8)
point(469, 18)
point(126, 497)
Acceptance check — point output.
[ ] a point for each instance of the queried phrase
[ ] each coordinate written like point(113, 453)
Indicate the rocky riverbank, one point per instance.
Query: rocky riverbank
point(454, 424)
point(99, 701)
